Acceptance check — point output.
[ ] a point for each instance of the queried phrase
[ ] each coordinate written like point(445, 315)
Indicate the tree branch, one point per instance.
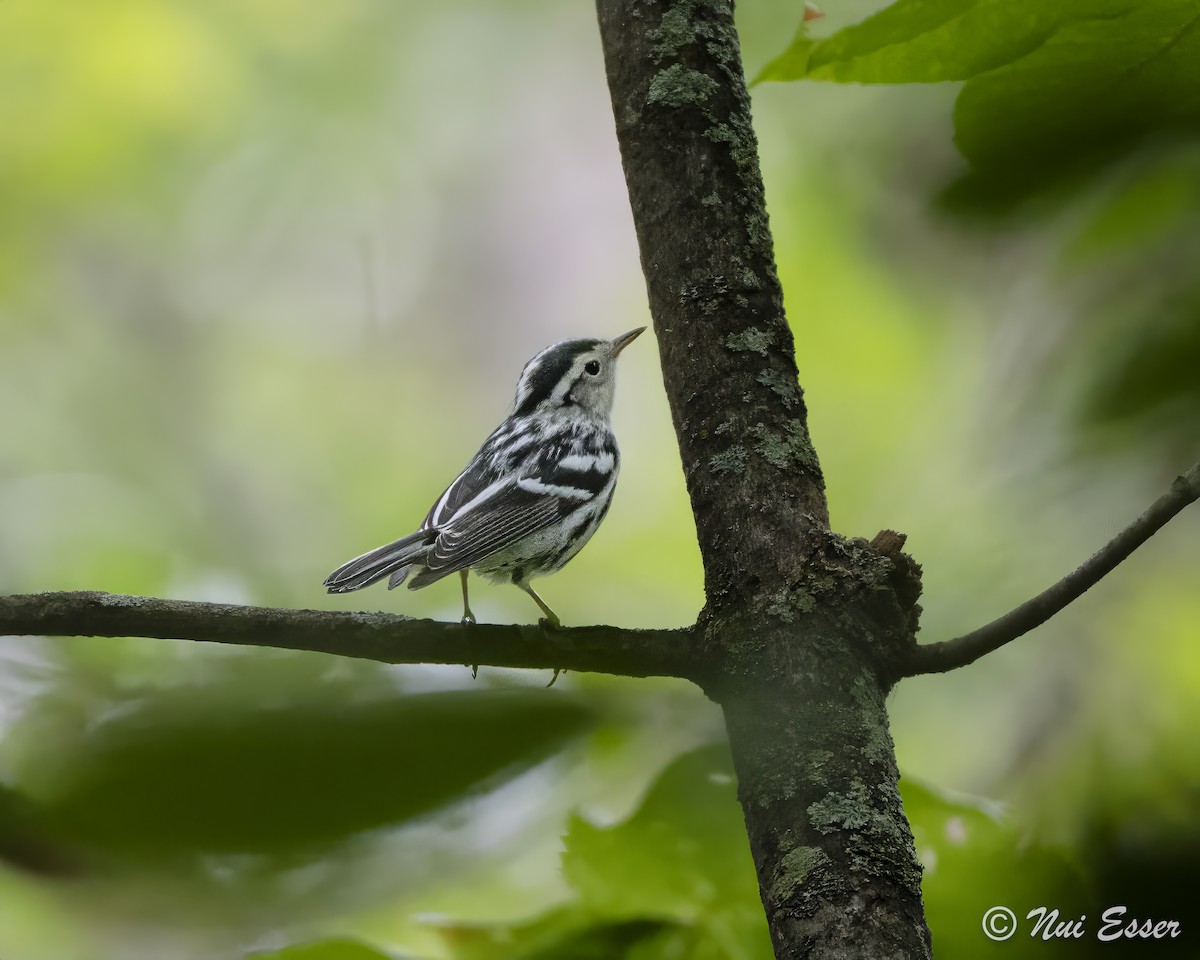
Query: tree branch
point(951, 654)
point(384, 637)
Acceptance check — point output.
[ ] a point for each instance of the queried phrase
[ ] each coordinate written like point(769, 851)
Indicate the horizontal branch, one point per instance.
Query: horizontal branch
point(951, 654)
point(384, 637)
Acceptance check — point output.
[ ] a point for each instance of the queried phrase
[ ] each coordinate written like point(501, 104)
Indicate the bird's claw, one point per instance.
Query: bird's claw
point(468, 620)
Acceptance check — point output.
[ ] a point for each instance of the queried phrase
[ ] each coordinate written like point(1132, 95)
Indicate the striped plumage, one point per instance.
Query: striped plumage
point(534, 493)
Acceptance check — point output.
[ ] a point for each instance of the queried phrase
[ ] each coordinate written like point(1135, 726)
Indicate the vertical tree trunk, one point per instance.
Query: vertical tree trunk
point(803, 627)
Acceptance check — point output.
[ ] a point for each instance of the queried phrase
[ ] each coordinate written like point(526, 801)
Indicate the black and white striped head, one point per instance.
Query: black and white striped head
point(572, 376)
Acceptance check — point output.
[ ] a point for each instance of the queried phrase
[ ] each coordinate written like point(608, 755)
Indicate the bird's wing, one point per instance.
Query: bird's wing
point(553, 485)
point(506, 517)
point(498, 457)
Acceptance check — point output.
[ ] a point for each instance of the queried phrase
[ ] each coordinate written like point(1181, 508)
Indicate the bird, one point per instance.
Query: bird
point(533, 494)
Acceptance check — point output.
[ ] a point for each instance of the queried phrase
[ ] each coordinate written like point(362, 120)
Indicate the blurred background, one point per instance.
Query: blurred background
point(268, 272)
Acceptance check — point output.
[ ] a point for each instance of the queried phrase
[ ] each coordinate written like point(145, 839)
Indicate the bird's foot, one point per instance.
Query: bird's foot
point(468, 620)
point(551, 622)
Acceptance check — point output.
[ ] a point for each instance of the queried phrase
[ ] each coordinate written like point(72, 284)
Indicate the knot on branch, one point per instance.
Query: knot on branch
point(905, 575)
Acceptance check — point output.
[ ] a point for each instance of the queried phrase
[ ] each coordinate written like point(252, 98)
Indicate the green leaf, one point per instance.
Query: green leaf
point(1092, 90)
point(792, 64)
point(683, 856)
point(173, 775)
point(1052, 89)
point(927, 41)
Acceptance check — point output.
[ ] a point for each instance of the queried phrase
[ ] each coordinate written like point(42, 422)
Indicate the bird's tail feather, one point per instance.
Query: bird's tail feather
point(393, 558)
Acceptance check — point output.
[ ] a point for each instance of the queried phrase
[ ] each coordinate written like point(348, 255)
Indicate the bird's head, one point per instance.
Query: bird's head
point(574, 375)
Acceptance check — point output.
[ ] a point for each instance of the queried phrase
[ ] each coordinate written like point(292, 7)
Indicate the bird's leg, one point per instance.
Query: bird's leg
point(468, 618)
point(551, 620)
point(551, 616)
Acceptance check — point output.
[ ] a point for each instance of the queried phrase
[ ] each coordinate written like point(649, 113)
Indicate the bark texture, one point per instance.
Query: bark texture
point(802, 629)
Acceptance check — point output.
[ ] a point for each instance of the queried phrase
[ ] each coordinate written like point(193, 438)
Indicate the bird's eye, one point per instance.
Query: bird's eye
point(592, 367)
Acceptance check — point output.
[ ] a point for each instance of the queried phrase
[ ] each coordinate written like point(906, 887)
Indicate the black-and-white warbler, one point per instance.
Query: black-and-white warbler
point(534, 493)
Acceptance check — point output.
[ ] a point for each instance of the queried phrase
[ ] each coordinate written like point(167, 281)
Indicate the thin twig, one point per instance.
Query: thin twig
point(951, 654)
point(384, 637)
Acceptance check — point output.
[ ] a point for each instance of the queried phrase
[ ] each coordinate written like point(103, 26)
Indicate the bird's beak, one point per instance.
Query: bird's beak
point(620, 343)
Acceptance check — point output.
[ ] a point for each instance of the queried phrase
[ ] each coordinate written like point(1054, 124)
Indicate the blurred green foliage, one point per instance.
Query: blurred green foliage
point(682, 855)
point(324, 950)
point(1091, 102)
point(961, 836)
point(274, 779)
point(268, 272)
